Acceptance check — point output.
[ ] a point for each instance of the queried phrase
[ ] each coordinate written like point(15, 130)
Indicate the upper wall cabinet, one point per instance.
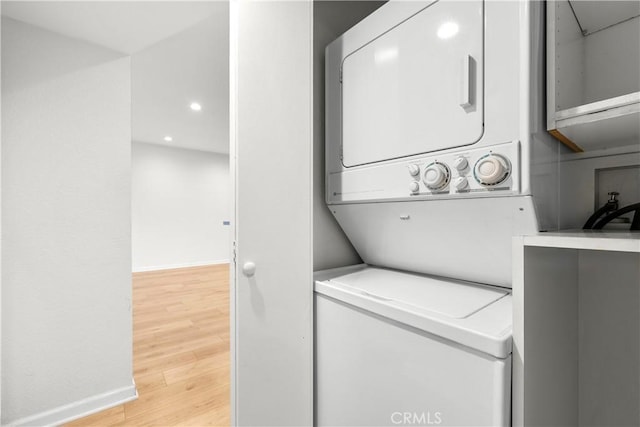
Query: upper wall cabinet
point(593, 73)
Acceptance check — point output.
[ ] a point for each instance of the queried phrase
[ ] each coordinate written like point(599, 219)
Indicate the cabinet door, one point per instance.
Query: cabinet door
point(271, 157)
point(417, 87)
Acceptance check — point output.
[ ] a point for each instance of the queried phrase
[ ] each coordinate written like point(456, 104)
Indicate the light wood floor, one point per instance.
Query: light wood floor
point(180, 351)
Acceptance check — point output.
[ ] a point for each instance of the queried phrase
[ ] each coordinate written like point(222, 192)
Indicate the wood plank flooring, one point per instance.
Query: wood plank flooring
point(180, 351)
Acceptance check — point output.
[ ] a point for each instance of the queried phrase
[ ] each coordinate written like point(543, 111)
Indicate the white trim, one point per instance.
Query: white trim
point(615, 103)
point(596, 240)
point(81, 408)
point(183, 265)
point(234, 12)
point(0, 238)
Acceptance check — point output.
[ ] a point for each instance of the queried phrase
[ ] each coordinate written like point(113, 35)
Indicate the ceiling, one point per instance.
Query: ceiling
point(192, 66)
point(594, 16)
point(179, 55)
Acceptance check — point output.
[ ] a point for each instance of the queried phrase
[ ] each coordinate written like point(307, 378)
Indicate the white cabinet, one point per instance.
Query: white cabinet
point(593, 73)
point(272, 291)
point(576, 329)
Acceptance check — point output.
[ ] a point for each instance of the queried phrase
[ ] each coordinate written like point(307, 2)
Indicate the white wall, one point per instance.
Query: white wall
point(66, 260)
point(331, 248)
point(180, 199)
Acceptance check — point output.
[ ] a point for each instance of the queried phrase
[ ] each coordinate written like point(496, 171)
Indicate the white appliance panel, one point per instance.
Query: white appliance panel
point(466, 239)
point(416, 88)
point(374, 372)
point(394, 180)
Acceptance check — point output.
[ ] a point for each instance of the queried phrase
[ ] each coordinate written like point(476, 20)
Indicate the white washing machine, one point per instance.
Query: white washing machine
point(409, 349)
point(436, 156)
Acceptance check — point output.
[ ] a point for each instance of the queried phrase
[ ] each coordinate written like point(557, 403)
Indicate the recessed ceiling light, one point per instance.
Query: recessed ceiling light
point(195, 106)
point(168, 138)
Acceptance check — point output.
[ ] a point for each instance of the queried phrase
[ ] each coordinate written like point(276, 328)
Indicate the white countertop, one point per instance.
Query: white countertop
point(599, 240)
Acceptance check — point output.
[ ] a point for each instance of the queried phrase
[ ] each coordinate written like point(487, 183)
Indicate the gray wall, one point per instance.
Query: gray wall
point(586, 178)
point(331, 248)
point(581, 338)
point(66, 257)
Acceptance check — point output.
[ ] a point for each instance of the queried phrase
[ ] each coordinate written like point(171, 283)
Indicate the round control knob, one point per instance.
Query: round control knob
point(436, 176)
point(491, 169)
point(414, 186)
point(460, 163)
point(414, 170)
point(460, 183)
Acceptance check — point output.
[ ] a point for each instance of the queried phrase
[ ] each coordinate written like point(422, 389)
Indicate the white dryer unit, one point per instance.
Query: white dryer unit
point(436, 153)
point(436, 156)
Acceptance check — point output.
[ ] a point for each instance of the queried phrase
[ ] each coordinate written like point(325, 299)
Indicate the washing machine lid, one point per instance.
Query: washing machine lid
point(451, 298)
point(473, 315)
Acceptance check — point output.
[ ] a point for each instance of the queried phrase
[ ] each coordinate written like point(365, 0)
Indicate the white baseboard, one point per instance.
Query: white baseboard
point(183, 265)
point(80, 408)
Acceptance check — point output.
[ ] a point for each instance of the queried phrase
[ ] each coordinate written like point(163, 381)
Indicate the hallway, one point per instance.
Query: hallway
point(180, 350)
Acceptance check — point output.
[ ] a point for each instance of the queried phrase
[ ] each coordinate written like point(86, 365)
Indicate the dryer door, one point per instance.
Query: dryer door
point(417, 88)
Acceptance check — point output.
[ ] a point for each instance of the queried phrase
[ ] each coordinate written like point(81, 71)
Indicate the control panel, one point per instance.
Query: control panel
point(481, 172)
point(468, 172)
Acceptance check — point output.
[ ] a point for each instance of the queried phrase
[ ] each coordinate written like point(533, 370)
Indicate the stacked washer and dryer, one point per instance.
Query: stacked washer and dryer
point(436, 156)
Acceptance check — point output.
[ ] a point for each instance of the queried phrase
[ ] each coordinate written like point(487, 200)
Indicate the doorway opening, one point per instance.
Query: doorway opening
point(130, 126)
